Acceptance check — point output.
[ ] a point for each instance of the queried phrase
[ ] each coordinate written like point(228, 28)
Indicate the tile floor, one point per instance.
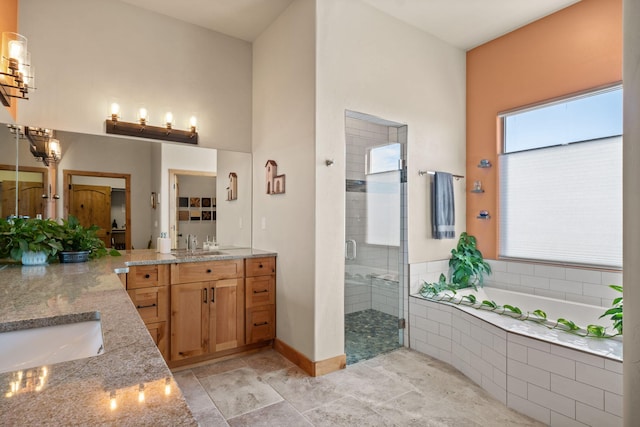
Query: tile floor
point(368, 333)
point(400, 388)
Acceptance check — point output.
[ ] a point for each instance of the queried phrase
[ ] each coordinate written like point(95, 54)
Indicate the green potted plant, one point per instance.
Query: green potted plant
point(32, 241)
point(467, 264)
point(80, 243)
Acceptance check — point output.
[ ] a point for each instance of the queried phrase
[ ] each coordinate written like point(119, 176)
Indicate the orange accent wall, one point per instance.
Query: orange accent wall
point(9, 23)
point(575, 49)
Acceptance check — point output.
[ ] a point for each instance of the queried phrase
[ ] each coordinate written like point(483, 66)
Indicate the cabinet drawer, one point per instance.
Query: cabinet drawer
point(207, 270)
point(143, 276)
point(261, 266)
point(152, 303)
point(260, 291)
point(260, 324)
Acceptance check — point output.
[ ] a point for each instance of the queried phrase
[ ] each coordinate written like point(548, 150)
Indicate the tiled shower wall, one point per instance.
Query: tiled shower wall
point(378, 294)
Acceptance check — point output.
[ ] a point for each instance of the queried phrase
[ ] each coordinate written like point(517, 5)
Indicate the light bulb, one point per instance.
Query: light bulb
point(16, 47)
point(192, 122)
point(113, 403)
point(168, 118)
point(115, 112)
point(142, 116)
point(54, 149)
point(141, 393)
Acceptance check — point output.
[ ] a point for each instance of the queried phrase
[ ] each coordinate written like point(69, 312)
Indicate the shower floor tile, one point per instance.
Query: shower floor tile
point(369, 333)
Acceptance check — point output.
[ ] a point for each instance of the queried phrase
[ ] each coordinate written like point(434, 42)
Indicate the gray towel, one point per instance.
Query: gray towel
point(443, 212)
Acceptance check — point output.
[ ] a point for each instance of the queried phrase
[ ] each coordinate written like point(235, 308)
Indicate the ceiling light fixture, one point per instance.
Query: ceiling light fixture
point(115, 126)
point(16, 73)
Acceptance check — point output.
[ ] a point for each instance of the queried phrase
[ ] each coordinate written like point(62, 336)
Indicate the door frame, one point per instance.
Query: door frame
point(67, 177)
point(173, 200)
point(45, 181)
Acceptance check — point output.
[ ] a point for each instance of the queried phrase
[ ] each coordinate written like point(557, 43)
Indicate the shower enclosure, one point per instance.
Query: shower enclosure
point(375, 240)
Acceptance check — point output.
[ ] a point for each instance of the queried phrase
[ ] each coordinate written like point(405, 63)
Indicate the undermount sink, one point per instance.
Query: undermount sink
point(76, 337)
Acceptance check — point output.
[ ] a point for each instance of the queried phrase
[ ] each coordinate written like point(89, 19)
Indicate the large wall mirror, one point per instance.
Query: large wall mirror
point(125, 184)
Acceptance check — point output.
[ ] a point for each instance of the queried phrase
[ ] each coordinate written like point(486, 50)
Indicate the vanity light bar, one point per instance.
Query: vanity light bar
point(137, 130)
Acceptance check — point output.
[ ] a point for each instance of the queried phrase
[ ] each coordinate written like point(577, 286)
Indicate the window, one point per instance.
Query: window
point(561, 182)
point(384, 158)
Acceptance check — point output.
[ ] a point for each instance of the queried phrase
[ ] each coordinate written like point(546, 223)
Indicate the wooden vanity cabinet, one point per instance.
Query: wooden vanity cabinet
point(207, 307)
point(260, 299)
point(148, 288)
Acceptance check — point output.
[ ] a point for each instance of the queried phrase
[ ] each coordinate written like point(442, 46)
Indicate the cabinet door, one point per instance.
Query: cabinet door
point(226, 328)
point(158, 332)
point(189, 319)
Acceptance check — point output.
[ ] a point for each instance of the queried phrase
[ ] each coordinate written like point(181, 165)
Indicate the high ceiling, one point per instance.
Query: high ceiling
point(462, 23)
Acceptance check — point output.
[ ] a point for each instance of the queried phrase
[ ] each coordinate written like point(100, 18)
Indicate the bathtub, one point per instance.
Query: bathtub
point(551, 375)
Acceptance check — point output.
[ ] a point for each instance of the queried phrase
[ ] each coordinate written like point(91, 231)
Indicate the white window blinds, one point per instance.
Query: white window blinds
point(563, 203)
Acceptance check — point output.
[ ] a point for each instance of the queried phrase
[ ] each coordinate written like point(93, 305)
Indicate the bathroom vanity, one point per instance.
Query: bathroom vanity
point(200, 306)
point(127, 381)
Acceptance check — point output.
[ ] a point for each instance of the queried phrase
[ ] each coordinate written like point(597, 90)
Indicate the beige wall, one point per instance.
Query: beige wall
point(372, 63)
point(89, 53)
point(283, 130)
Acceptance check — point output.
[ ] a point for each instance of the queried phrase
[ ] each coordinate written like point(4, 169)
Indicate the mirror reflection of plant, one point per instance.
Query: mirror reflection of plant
point(74, 237)
point(441, 291)
point(20, 235)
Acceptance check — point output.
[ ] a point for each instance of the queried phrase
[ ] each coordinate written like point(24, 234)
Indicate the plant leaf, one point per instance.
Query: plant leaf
point(491, 304)
point(568, 323)
point(596, 330)
point(512, 309)
point(540, 314)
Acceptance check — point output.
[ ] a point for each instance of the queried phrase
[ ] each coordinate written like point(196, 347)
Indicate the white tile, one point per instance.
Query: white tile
point(611, 278)
point(460, 352)
point(496, 359)
point(440, 342)
point(551, 363)
point(440, 266)
point(494, 390)
point(529, 408)
point(520, 268)
point(507, 278)
point(579, 356)
point(613, 403)
point(418, 268)
point(529, 373)
point(534, 282)
point(600, 378)
point(559, 420)
point(460, 324)
point(496, 265)
point(500, 345)
point(517, 386)
point(598, 290)
point(551, 400)
point(439, 316)
point(530, 342)
point(583, 299)
point(565, 286)
point(549, 294)
point(594, 417)
point(517, 352)
point(580, 275)
point(473, 345)
point(445, 331)
point(612, 365)
point(581, 392)
point(549, 271)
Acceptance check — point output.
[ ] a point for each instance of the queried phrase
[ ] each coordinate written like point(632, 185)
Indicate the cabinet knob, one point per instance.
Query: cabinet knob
point(146, 276)
point(208, 270)
point(260, 266)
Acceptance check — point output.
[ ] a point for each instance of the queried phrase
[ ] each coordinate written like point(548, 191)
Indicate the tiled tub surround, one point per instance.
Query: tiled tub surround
point(539, 377)
point(583, 285)
point(78, 392)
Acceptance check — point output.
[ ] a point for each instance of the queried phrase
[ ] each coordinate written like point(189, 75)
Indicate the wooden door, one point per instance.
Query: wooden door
point(29, 198)
point(189, 319)
point(227, 317)
point(91, 204)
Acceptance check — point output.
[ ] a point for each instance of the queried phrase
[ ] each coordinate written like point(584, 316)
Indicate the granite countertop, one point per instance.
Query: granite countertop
point(80, 392)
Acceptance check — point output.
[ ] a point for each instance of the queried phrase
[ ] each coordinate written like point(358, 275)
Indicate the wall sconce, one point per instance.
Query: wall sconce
point(141, 130)
point(16, 73)
point(43, 145)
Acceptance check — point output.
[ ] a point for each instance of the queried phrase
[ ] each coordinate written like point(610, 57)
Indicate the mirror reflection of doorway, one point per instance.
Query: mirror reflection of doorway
point(31, 185)
point(193, 207)
point(103, 199)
